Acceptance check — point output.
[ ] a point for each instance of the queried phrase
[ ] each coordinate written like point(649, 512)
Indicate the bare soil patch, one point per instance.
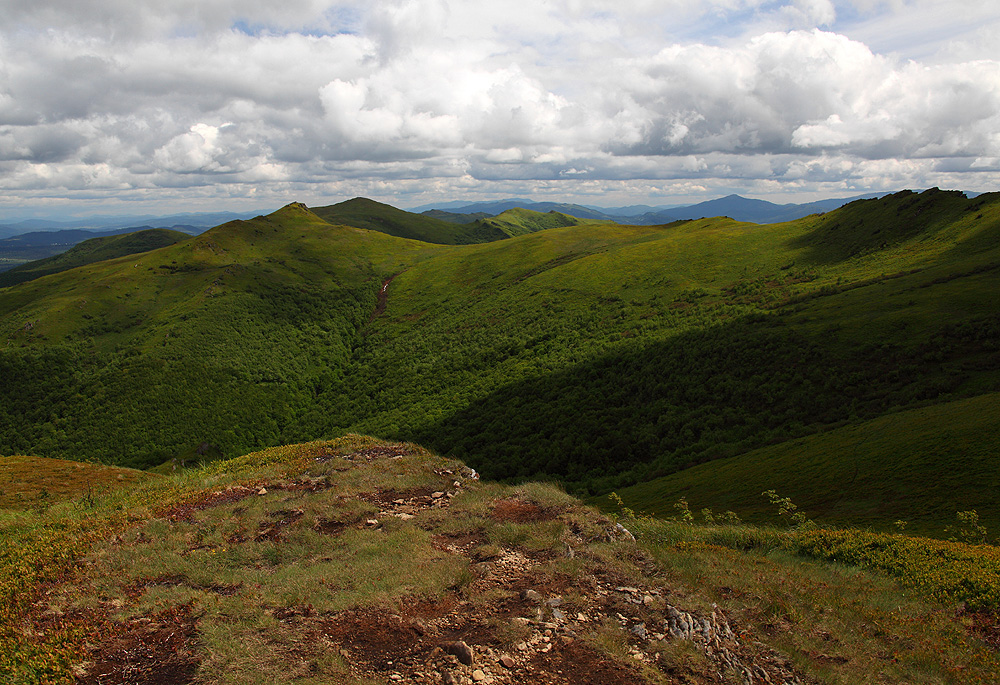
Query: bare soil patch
point(184, 510)
point(519, 511)
point(154, 650)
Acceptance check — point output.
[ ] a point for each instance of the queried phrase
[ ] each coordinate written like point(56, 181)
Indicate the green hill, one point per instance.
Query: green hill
point(919, 466)
point(597, 354)
point(93, 250)
point(222, 339)
point(375, 216)
point(452, 217)
point(518, 221)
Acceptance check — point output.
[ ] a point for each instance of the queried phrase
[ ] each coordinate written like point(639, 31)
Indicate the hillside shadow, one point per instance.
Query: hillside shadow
point(656, 409)
point(865, 226)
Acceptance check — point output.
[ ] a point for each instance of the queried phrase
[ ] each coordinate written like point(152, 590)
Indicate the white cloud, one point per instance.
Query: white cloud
point(134, 96)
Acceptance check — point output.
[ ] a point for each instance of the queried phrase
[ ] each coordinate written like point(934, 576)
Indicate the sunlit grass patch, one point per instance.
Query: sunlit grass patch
point(41, 482)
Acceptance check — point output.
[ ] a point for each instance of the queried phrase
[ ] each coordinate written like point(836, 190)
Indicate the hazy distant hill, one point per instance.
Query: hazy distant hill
point(27, 247)
point(196, 220)
point(733, 206)
point(93, 250)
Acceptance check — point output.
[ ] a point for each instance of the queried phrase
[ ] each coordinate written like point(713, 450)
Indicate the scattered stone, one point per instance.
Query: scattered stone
point(531, 596)
point(506, 661)
point(448, 678)
point(554, 601)
point(558, 615)
point(581, 618)
point(262, 491)
point(478, 676)
point(647, 600)
point(437, 495)
point(462, 651)
point(371, 522)
point(639, 630)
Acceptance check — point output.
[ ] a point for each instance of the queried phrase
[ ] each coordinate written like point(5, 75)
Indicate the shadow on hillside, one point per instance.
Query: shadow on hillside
point(706, 394)
point(865, 226)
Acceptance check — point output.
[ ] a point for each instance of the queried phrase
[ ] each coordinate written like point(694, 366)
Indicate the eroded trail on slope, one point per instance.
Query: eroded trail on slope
point(383, 298)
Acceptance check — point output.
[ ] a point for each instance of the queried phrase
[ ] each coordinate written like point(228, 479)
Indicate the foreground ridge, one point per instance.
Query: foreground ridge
point(363, 561)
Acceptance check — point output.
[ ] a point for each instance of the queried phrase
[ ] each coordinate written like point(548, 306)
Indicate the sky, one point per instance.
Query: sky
point(146, 106)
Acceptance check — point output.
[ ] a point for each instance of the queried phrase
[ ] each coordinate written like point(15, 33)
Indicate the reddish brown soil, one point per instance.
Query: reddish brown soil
point(159, 650)
point(383, 298)
point(578, 663)
point(184, 511)
point(986, 626)
point(519, 511)
point(282, 520)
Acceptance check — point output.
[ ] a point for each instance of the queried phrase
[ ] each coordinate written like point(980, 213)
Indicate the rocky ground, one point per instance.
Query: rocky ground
point(546, 590)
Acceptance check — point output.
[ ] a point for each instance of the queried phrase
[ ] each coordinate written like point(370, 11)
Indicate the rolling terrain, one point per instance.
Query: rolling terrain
point(93, 250)
point(597, 354)
point(360, 561)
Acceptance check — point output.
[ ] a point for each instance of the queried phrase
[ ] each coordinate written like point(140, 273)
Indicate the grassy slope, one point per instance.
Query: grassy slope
point(333, 562)
point(921, 466)
point(600, 354)
point(376, 216)
point(537, 348)
point(519, 221)
point(39, 481)
point(93, 250)
point(221, 339)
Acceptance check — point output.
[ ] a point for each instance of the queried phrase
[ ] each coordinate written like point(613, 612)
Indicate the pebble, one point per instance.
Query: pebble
point(262, 491)
point(531, 596)
point(478, 676)
point(506, 661)
point(437, 495)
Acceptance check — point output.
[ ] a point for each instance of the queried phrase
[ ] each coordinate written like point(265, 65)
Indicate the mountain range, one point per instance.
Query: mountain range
point(733, 206)
point(366, 438)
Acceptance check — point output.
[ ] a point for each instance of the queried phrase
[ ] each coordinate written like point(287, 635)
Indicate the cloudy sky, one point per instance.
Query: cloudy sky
point(129, 106)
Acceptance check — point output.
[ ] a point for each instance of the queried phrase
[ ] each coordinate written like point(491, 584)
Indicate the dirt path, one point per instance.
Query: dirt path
point(383, 298)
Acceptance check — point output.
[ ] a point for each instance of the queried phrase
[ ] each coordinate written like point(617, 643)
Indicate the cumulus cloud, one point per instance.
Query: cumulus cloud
point(437, 94)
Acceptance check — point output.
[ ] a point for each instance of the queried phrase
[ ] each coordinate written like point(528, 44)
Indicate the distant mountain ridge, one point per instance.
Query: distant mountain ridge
point(195, 220)
point(36, 245)
point(93, 250)
point(734, 206)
